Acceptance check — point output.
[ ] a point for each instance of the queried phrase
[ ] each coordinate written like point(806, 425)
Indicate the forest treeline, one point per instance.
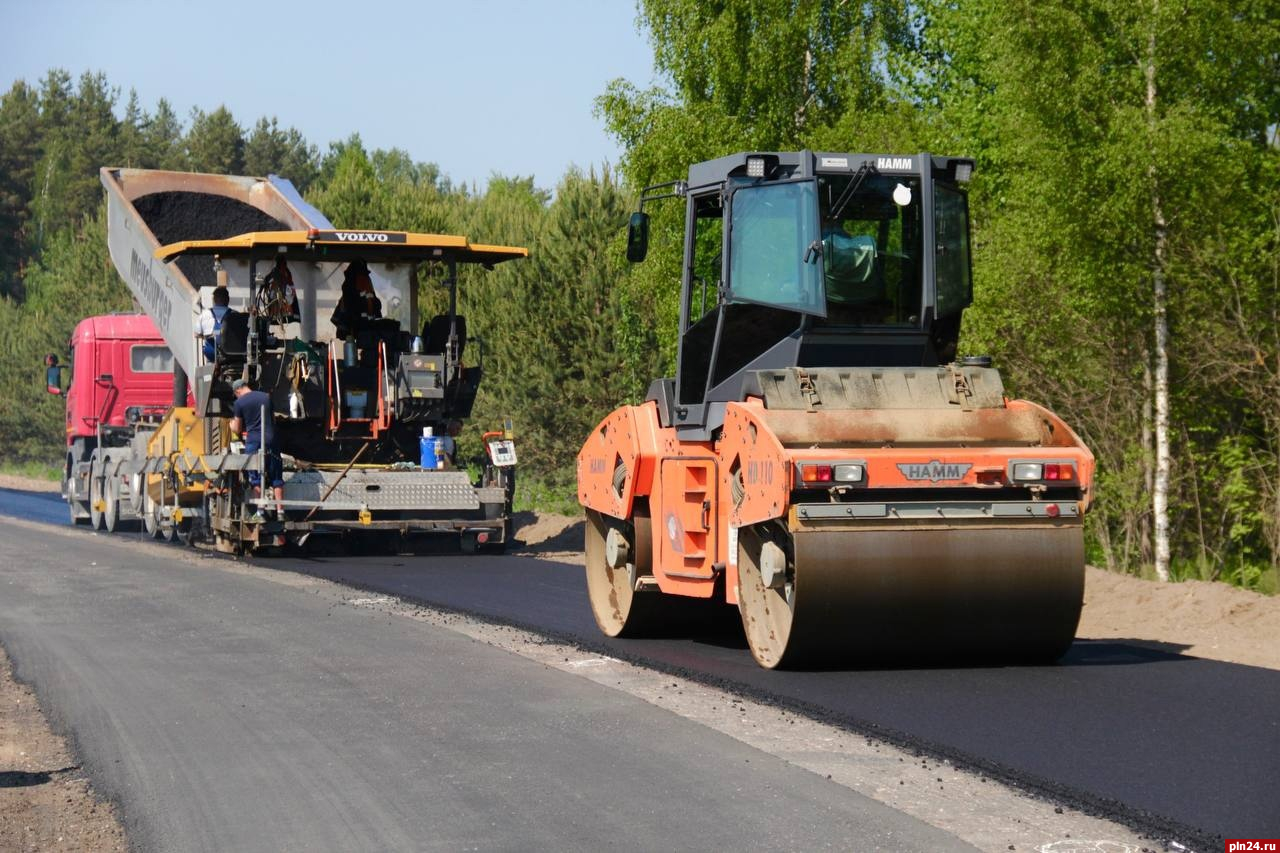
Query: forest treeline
point(1126, 214)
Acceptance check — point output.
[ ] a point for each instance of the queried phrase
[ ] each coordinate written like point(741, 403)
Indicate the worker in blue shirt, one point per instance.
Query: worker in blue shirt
point(254, 418)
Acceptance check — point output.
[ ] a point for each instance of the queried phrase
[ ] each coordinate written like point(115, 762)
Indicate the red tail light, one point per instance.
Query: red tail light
point(816, 473)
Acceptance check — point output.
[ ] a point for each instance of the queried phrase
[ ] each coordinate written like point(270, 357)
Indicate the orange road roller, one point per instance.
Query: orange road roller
point(822, 459)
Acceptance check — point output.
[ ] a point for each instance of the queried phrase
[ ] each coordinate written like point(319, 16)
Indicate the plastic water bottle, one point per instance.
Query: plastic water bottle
point(427, 448)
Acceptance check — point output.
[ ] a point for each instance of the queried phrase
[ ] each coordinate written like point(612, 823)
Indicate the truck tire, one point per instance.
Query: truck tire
point(79, 512)
point(97, 501)
point(150, 517)
point(111, 499)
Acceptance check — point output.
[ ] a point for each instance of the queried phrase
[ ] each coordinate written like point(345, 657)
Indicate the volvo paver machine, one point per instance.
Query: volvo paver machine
point(353, 391)
point(822, 459)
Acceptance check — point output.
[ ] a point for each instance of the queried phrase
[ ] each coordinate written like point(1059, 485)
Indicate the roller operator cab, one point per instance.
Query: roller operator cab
point(821, 458)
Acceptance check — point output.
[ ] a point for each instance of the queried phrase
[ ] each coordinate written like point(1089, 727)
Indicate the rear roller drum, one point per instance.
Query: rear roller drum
point(968, 593)
point(766, 592)
point(616, 553)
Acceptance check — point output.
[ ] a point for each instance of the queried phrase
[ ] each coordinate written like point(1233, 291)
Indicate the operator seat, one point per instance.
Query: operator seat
point(854, 275)
point(233, 339)
point(435, 335)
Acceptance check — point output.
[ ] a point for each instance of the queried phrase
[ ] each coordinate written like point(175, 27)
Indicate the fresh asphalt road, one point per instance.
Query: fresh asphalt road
point(1182, 747)
point(1179, 746)
point(225, 709)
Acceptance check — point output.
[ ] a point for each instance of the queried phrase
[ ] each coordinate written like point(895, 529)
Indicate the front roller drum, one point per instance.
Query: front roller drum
point(615, 551)
point(972, 593)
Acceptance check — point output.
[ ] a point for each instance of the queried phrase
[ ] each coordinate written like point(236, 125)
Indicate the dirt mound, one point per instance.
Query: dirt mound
point(550, 536)
point(1211, 620)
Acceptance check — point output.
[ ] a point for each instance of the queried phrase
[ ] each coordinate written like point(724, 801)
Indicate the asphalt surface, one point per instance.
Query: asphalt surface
point(225, 709)
point(45, 507)
point(1180, 747)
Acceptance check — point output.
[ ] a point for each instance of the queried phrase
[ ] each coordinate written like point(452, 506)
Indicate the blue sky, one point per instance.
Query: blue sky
point(477, 87)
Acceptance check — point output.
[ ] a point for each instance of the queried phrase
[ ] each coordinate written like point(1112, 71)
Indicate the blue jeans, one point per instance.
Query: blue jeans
point(274, 467)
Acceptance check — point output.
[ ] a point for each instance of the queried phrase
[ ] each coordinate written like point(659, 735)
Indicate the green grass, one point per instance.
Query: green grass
point(538, 496)
point(32, 470)
point(1257, 577)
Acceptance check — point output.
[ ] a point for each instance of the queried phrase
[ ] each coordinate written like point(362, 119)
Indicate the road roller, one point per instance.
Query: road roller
point(822, 459)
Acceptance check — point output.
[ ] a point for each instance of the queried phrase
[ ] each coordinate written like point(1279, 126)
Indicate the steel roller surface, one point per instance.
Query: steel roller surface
point(1008, 593)
point(619, 610)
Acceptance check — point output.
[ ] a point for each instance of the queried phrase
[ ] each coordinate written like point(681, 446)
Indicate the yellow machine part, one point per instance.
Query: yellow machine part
point(181, 441)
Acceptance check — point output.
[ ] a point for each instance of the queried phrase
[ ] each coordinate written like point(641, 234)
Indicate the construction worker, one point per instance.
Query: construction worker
point(359, 304)
point(211, 320)
point(279, 298)
point(254, 418)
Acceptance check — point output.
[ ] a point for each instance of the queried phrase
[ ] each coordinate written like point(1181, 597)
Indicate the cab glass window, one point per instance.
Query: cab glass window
point(707, 251)
point(773, 251)
point(150, 359)
point(872, 249)
point(952, 269)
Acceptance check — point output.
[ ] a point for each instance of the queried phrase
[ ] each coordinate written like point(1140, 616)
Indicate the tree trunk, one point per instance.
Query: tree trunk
point(1160, 492)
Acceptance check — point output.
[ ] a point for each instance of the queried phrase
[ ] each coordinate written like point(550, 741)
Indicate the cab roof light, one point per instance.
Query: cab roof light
point(964, 171)
point(755, 167)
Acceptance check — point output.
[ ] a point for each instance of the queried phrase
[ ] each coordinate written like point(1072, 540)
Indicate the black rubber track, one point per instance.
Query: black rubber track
point(1178, 747)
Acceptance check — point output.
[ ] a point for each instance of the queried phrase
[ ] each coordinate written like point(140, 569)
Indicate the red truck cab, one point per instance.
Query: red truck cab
point(122, 371)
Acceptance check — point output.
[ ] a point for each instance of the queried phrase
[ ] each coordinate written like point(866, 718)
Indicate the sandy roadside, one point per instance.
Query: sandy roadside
point(14, 481)
point(45, 799)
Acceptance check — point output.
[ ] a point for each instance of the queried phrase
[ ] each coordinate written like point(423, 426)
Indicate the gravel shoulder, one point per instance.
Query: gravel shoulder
point(46, 802)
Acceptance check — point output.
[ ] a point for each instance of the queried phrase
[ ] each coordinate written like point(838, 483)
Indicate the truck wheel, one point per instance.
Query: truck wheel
point(151, 517)
point(111, 500)
point(470, 544)
point(79, 512)
point(168, 532)
point(97, 503)
point(137, 490)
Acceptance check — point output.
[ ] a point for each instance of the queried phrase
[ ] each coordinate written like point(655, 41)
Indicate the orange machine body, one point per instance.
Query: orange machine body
point(699, 493)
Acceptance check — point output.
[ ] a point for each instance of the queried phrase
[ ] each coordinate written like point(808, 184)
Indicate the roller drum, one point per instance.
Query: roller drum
point(976, 593)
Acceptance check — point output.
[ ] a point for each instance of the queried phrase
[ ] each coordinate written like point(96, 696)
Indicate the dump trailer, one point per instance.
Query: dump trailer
point(822, 459)
point(365, 402)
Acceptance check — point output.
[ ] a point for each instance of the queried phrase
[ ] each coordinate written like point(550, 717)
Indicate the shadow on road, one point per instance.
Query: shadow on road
point(1122, 652)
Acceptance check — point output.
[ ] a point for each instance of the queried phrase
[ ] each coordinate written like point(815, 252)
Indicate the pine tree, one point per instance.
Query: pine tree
point(215, 143)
